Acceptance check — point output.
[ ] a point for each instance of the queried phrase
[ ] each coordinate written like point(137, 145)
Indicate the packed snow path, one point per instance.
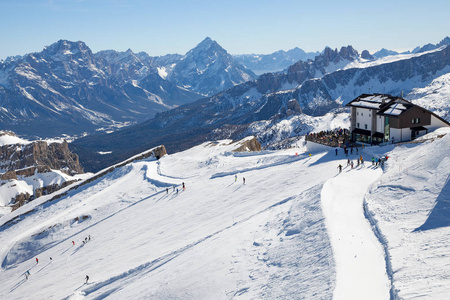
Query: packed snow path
point(359, 256)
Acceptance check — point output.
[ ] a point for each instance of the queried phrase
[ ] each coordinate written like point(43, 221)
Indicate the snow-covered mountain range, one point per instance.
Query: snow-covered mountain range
point(68, 89)
point(314, 88)
point(274, 62)
point(294, 228)
point(385, 52)
point(209, 69)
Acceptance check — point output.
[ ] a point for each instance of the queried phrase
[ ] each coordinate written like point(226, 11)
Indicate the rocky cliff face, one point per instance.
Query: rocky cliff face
point(55, 156)
point(34, 169)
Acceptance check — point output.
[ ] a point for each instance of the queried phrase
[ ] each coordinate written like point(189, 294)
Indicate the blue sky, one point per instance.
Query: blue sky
point(165, 26)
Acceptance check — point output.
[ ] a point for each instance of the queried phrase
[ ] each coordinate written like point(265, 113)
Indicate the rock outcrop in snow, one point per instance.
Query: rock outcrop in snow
point(248, 144)
point(34, 169)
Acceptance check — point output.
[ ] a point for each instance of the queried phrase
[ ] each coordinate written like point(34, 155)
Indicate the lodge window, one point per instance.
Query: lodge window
point(357, 125)
point(362, 114)
point(357, 113)
point(369, 115)
point(365, 126)
point(415, 121)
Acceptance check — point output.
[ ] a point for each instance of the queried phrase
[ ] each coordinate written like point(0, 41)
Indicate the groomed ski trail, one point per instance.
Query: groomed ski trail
point(360, 263)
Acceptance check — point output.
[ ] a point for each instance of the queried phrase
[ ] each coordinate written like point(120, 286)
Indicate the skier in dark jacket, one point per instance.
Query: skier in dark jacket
point(87, 279)
point(340, 168)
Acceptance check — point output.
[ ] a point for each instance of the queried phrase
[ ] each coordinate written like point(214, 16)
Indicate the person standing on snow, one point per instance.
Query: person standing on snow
point(87, 279)
point(340, 168)
point(184, 187)
point(336, 151)
point(235, 178)
point(37, 260)
point(243, 179)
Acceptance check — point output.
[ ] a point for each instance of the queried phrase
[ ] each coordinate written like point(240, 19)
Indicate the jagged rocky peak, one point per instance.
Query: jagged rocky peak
point(67, 49)
point(366, 55)
point(207, 52)
point(334, 56)
point(206, 44)
point(348, 53)
point(208, 69)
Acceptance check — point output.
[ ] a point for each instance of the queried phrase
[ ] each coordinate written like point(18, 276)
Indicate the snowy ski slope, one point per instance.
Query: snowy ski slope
point(295, 230)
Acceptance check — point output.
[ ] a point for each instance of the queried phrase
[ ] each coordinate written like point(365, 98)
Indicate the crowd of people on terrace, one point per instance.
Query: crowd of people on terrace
point(334, 138)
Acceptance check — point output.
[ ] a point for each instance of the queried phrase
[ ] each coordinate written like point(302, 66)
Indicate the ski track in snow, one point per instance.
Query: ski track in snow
point(360, 265)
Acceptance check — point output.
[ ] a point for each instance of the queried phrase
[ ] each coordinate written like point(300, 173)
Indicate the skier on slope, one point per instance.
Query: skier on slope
point(87, 278)
point(235, 178)
point(340, 168)
point(37, 260)
point(243, 178)
point(336, 150)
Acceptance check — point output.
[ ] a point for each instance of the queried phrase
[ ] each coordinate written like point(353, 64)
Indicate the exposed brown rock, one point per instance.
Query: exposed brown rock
point(248, 145)
point(8, 175)
point(55, 156)
point(20, 200)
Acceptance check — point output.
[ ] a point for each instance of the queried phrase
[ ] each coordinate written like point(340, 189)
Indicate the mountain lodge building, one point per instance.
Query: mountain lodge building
point(380, 118)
